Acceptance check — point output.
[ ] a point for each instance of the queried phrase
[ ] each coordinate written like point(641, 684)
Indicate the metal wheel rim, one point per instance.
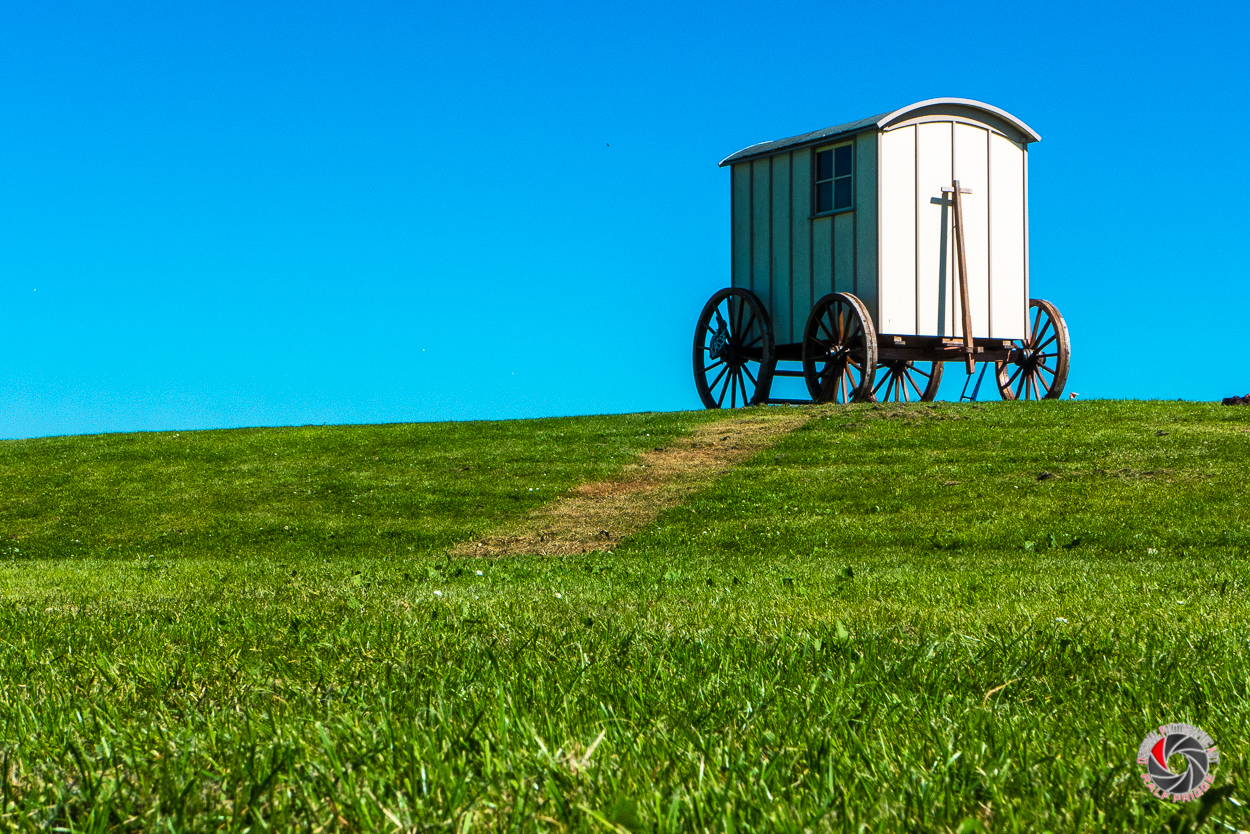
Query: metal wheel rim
point(1041, 371)
point(737, 370)
point(839, 350)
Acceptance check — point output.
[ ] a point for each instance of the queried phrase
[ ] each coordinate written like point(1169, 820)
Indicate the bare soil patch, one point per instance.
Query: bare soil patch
point(597, 516)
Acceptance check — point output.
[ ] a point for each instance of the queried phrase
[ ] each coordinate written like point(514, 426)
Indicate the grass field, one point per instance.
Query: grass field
point(922, 618)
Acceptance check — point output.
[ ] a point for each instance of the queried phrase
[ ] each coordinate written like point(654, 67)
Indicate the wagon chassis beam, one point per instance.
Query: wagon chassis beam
point(921, 349)
point(939, 349)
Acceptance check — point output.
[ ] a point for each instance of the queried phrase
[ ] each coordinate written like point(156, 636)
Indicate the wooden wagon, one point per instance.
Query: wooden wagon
point(872, 252)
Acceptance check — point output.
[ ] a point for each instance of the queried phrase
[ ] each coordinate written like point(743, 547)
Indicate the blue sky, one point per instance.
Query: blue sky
point(230, 214)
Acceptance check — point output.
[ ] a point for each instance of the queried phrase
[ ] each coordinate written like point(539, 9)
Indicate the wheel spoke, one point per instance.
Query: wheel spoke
point(754, 341)
point(746, 328)
point(888, 381)
point(715, 364)
point(747, 370)
point(1036, 318)
point(1049, 323)
point(1019, 369)
point(1043, 345)
point(1020, 384)
point(1047, 367)
point(919, 393)
point(829, 384)
point(718, 376)
point(1041, 380)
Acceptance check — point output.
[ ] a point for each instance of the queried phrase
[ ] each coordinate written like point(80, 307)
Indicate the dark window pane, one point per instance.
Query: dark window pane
point(824, 196)
point(842, 161)
point(842, 193)
point(824, 165)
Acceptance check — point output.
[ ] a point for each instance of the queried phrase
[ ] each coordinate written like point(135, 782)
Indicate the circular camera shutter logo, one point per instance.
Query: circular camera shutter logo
point(1191, 753)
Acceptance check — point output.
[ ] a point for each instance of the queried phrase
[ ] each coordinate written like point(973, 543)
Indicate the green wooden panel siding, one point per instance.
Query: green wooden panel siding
point(741, 210)
point(822, 256)
point(783, 292)
point(866, 221)
point(761, 232)
point(800, 241)
point(844, 252)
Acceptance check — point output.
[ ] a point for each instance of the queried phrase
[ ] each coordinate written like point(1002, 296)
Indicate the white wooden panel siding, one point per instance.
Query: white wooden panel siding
point(761, 231)
point(866, 271)
point(822, 256)
point(844, 252)
point(741, 211)
point(801, 298)
point(1008, 230)
point(898, 232)
point(782, 292)
point(934, 290)
point(972, 171)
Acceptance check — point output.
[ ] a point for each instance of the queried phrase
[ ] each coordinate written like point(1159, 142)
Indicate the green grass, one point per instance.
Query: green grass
point(887, 622)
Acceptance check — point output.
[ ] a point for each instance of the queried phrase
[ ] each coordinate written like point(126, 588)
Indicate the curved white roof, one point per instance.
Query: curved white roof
point(882, 122)
point(1030, 134)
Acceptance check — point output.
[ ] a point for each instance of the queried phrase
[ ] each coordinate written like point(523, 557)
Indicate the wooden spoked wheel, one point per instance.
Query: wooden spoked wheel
point(1038, 368)
point(907, 382)
point(839, 350)
point(733, 350)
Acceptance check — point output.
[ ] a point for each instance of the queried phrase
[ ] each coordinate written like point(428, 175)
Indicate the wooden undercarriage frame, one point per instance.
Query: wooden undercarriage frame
point(843, 360)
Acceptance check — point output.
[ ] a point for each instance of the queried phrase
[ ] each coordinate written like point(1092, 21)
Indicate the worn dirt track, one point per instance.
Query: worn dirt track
point(596, 516)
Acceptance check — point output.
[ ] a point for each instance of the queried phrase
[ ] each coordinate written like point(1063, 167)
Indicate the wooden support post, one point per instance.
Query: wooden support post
point(963, 270)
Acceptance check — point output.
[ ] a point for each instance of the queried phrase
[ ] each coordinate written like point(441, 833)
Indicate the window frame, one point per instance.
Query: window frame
point(848, 143)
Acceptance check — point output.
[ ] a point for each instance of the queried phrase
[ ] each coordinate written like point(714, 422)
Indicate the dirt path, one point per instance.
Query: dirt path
point(596, 516)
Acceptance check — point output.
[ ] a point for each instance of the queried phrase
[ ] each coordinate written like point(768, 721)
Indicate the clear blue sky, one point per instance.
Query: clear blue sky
point(230, 214)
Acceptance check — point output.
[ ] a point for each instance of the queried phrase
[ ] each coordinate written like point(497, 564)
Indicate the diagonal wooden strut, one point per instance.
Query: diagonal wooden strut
point(963, 270)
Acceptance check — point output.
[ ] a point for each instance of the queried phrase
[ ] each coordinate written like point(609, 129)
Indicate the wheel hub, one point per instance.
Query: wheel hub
point(838, 353)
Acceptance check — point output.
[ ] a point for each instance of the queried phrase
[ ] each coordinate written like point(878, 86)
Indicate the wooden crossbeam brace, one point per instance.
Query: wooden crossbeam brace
point(963, 270)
